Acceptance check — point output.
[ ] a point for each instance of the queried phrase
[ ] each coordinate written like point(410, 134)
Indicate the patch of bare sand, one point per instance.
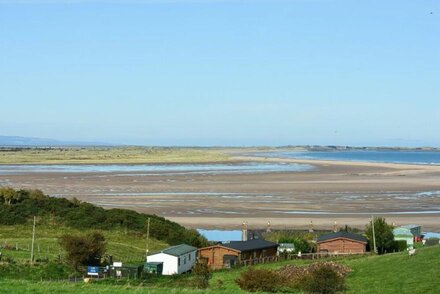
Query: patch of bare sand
point(302, 223)
point(225, 200)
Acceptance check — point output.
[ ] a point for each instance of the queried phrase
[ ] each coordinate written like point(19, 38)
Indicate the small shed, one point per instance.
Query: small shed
point(131, 271)
point(153, 267)
point(342, 242)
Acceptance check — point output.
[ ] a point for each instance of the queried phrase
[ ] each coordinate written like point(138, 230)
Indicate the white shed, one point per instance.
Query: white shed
point(176, 260)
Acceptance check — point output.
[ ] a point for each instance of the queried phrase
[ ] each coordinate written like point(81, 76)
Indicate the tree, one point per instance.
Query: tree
point(383, 233)
point(9, 195)
point(84, 250)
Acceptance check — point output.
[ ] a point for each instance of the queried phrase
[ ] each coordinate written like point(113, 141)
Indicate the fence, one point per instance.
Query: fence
point(52, 251)
point(312, 256)
point(253, 261)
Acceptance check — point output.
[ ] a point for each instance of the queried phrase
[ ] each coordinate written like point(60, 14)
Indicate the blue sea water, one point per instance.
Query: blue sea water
point(409, 157)
point(221, 235)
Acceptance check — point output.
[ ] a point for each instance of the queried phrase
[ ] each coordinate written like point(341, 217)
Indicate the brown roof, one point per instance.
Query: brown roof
point(218, 245)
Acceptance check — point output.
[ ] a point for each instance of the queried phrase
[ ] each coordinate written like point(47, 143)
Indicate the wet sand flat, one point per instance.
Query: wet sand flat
point(348, 192)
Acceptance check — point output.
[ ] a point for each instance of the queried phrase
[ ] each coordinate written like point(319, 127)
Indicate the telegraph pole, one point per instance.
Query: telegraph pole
point(33, 240)
point(374, 236)
point(148, 239)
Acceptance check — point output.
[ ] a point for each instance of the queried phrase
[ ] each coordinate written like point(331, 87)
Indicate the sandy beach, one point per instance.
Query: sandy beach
point(346, 192)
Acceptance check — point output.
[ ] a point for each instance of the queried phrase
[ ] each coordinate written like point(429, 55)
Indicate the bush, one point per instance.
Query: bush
point(323, 280)
point(254, 280)
point(202, 275)
point(299, 239)
point(400, 245)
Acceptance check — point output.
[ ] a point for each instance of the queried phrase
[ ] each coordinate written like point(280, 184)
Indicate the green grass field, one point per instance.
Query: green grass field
point(392, 273)
point(121, 245)
point(102, 155)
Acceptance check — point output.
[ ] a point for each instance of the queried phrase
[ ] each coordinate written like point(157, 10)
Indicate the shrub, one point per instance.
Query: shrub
point(298, 277)
point(254, 280)
point(8, 259)
point(202, 274)
point(323, 280)
point(400, 245)
point(84, 250)
point(299, 239)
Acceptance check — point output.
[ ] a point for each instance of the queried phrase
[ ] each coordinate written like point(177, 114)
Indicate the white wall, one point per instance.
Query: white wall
point(184, 267)
point(169, 262)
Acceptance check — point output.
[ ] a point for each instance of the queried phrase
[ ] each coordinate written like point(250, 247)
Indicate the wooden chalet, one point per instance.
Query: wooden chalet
point(342, 242)
point(238, 252)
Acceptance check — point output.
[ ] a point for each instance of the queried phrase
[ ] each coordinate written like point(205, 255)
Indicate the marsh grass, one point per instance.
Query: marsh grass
point(110, 155)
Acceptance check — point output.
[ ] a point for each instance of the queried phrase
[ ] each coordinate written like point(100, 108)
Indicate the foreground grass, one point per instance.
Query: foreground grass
point(393, 273)
point(397, 273)
point(102, 155)
point(17, 286)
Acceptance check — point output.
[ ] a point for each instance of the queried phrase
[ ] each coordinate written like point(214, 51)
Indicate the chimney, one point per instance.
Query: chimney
point(244, 232)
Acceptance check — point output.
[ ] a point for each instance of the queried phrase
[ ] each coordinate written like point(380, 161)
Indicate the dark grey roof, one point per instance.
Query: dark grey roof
point(342, 234)
point(412, 226)
point(178, 250)
point(250, 245)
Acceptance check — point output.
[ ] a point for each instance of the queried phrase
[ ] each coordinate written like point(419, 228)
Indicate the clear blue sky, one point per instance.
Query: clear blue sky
point(222, 72)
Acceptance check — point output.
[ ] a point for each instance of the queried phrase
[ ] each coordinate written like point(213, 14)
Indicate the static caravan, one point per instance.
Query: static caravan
point(405, 234)
point(175, 260)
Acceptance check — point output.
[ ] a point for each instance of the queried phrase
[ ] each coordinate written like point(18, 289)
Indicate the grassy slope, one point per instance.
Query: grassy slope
point(127, 247)
point(393, 273)
point(111, 155)
point(397, 273)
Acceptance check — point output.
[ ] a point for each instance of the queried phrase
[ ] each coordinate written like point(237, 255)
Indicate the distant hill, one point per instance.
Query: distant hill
point(16, 141)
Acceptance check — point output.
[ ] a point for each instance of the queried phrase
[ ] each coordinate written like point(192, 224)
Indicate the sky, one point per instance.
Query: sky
point(230, 73)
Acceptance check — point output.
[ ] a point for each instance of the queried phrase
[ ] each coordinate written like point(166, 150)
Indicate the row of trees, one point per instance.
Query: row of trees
point(19, 206)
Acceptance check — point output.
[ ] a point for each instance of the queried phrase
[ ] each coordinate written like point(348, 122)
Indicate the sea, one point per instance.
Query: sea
point(385, 156)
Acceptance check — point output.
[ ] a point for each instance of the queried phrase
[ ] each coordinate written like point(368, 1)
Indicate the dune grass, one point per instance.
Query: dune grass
point(111, 155)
